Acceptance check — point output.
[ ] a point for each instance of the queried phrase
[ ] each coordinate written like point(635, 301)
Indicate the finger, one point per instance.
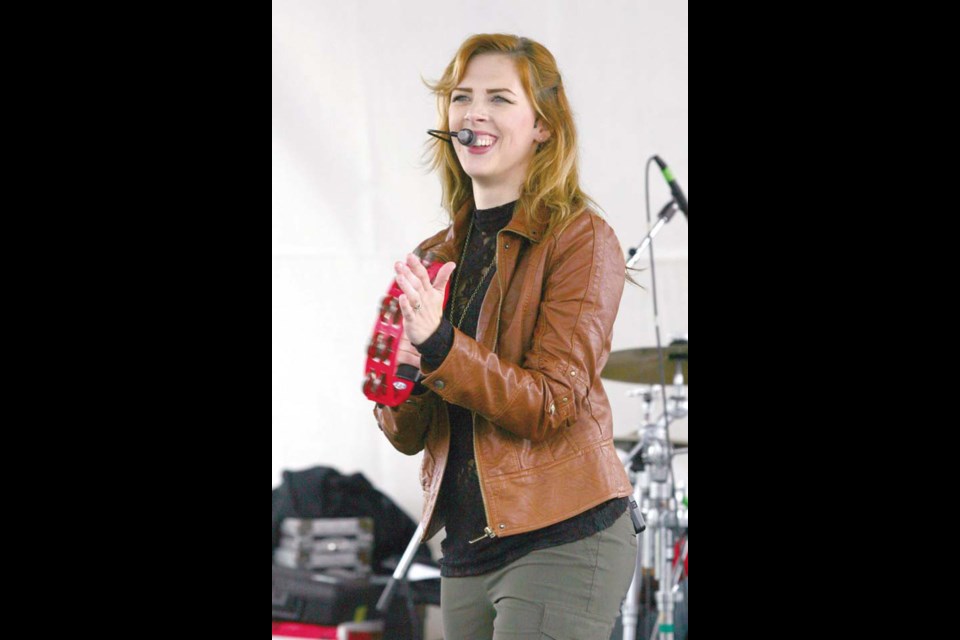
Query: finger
point(414, 279)
point(405, 357)
point(408, 287)
point(443, 276)
point(414, 304)
point(402, 269)
point(410, 357)
point(405, 306)
point(418, 270)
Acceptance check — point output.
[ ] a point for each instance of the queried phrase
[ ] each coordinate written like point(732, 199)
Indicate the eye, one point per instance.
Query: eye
point(457, 98)
point(502, 99)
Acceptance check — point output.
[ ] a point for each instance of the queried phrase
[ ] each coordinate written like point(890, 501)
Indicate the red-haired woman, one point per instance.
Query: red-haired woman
point(511, 415)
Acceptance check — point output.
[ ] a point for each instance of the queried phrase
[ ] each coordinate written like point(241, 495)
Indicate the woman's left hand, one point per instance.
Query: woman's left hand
point(421, 301)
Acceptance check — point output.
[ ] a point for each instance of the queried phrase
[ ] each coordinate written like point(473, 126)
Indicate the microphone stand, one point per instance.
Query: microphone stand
point(654, 486)
point(665, 215)
point(399, 577)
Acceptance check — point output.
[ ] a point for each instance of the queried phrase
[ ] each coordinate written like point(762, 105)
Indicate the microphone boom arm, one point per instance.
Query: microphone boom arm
point(465, 137)
point(665, 215)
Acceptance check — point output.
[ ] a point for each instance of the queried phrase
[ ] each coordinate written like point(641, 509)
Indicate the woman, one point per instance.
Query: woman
point(511, 414)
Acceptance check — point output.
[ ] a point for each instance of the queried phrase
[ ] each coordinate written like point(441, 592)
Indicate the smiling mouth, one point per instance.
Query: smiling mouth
point(482, 145)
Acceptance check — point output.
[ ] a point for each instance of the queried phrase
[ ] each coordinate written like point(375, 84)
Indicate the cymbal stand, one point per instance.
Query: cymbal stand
point(650, 460)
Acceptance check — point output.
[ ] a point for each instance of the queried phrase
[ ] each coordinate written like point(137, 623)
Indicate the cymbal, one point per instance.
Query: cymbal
point(640, 365)
point(627, 441)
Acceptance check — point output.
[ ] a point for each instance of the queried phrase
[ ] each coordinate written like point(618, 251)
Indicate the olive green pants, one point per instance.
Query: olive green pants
point(569, 592)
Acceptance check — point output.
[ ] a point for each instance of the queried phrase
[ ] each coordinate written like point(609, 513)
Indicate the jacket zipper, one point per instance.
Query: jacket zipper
point(487, 531)
point(496, 330)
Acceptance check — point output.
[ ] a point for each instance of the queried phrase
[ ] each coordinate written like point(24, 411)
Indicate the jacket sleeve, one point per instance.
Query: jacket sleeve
point(406, 425)
point(584, 279)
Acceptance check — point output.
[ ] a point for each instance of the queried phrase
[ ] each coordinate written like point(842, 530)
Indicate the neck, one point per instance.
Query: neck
point(487, 196)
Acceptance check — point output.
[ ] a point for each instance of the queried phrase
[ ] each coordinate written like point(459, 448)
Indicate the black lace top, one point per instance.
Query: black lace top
point(460, 504)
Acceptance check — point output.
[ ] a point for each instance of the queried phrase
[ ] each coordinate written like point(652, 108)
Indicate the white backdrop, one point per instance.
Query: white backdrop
point(351, 194)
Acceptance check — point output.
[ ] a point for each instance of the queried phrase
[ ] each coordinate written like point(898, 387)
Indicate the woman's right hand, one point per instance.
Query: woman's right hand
point(406, 353)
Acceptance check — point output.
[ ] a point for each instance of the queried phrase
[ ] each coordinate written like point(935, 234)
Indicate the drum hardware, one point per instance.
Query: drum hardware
point(655, 589)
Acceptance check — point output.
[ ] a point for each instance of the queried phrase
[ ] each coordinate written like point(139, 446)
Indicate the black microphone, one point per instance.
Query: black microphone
point(464, 136)
point(674, 187)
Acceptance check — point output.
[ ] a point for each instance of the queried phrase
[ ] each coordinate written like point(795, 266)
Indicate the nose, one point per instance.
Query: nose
point(475, 114)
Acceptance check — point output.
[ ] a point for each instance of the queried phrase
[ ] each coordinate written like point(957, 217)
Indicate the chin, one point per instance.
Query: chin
point(477, 172)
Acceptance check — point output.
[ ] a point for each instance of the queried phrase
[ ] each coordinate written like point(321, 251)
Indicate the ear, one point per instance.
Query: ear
point(541, 133)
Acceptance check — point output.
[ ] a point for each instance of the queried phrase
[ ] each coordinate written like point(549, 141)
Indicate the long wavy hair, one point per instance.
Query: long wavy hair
point(551, 191)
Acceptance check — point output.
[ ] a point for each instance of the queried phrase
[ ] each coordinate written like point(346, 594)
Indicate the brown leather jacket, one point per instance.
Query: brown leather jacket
point(543, 430)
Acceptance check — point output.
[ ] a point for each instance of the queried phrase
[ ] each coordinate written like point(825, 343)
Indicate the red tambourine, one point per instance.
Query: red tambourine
point(383, 380)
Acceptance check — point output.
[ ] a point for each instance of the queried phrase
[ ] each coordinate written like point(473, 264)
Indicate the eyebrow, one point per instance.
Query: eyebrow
point(488, 90)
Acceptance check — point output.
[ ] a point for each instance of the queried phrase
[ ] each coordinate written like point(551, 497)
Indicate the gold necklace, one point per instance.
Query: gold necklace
point(483, 275)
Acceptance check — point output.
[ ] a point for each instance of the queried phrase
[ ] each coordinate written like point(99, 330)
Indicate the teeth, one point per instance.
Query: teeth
point(484, 142)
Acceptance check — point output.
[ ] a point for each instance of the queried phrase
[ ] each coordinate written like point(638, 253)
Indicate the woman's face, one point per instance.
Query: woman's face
point(490, 100)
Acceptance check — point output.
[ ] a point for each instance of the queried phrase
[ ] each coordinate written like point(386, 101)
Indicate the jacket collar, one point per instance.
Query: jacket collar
point(518, 224)
point(452, 245)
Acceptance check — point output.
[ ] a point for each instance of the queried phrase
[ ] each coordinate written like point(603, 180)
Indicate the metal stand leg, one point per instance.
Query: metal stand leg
point(399, 580)
point(651, 460)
